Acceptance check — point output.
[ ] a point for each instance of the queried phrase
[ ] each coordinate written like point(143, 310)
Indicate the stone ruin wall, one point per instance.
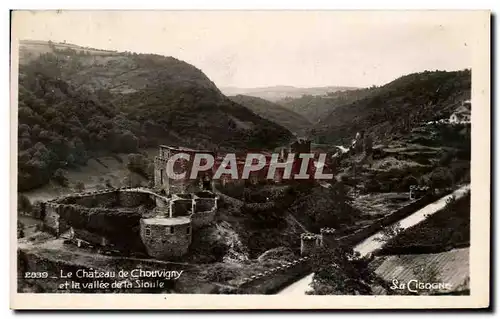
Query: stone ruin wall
point(272, 280)
point(161, 244)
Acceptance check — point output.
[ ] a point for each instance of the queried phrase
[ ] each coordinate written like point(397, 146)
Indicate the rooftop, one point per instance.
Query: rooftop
point(451, 266)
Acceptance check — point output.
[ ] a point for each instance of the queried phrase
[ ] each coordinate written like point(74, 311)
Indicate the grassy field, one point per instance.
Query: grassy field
point(95, 174)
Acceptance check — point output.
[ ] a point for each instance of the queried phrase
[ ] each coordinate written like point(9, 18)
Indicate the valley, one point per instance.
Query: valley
point(91, 122)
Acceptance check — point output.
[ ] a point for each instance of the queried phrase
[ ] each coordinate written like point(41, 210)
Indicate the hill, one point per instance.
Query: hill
point(397, 107)
point(75, 103)
point(275, 93)
point(294, 122)
point(317, 107)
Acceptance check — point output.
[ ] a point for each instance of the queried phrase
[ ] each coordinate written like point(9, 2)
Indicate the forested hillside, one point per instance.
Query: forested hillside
point(317, 107)
point(397, 107)
point(287, 118)
point(77, 103)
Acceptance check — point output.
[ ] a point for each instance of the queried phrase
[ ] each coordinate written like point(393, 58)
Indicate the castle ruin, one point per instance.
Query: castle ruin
point(161, 221)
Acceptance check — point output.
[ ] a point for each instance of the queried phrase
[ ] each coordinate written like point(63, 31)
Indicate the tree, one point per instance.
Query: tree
point(341, 271)
point(108, 184)
point(60, 177)
point(24, 204)
point(128, 142)
point(20, 229)
point(132, 180)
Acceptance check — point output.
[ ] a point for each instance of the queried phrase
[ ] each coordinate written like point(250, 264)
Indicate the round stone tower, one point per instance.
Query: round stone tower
point(328, 237)
point(166, 238)
point(308, 243)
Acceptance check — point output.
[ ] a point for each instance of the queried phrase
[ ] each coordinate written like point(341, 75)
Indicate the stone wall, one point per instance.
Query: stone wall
point(161, 244)
point(308, 243)
point(204, 204)
point(105, 198)
point(328, 239)
point(200, 219)
point(274, 279)
point(133, 199)
point(181, 207)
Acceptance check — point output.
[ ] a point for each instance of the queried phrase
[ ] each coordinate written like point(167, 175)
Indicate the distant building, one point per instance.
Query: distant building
point(462, 114)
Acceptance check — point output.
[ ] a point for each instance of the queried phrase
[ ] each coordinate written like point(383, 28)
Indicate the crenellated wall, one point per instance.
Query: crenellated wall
point(308, 243)
point(331, 238)
point(274, 279)
point(105, 198)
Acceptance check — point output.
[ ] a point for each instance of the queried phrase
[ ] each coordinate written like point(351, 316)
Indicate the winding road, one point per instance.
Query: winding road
point(372, 243)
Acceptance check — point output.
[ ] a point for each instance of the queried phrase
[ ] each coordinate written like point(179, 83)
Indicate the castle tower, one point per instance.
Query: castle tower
point(166, 238)
point(328, 238)
point(163, 181)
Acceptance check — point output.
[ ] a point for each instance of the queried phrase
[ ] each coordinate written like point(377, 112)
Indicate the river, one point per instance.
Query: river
point(372, 243)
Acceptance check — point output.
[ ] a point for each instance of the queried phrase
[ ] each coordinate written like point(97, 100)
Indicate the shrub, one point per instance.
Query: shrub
point(441, 177)
point(341, 271)
point(407, 182)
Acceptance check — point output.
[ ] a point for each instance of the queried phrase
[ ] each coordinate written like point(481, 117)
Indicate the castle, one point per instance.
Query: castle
point(162, 220)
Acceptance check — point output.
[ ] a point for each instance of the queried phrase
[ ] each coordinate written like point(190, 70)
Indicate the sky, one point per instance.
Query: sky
point(265, 48)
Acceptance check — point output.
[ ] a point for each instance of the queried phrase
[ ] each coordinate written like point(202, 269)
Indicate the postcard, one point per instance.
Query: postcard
point(250, 159)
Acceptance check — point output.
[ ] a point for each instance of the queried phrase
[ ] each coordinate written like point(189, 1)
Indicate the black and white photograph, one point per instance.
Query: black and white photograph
point(301, 154)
